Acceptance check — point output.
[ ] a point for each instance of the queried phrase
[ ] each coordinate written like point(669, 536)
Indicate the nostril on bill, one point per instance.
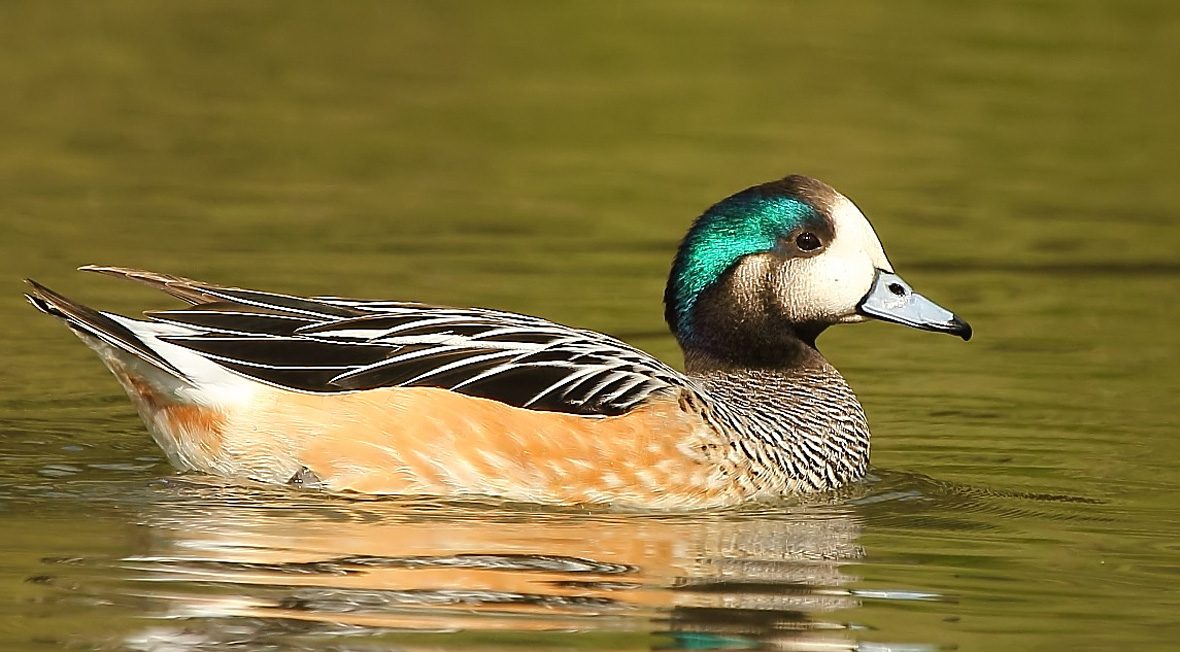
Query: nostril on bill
point(897, 289)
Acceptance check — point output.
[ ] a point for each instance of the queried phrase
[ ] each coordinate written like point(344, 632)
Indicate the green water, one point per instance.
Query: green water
point(1019, 160)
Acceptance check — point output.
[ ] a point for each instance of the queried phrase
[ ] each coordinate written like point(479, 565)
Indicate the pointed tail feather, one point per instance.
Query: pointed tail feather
point(185, 289)
point(181, 396)
point(89, 321)
point(197, 293)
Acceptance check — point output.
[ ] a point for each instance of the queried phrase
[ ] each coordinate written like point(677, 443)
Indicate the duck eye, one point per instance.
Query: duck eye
point(807, 241)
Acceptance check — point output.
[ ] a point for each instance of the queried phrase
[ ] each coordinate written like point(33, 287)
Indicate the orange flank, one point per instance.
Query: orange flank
point(421, 440)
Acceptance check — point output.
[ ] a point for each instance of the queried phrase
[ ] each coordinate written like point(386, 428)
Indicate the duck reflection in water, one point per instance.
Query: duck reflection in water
point(408, 569)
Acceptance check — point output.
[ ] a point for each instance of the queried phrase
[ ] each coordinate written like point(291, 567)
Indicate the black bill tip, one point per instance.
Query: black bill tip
point(958, 326)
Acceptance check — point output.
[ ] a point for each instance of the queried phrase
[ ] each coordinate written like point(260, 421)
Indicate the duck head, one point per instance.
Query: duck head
point(763, 272)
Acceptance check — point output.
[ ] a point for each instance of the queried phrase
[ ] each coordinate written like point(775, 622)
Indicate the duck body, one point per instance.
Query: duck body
point(387, 397)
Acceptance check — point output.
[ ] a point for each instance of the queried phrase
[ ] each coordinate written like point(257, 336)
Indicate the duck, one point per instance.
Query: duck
point(410, 399)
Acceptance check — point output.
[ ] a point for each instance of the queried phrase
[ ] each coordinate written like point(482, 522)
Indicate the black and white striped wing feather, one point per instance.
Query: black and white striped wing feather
point(337, 345)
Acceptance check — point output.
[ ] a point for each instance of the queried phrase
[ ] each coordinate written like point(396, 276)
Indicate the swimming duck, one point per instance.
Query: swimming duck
point(390, 397)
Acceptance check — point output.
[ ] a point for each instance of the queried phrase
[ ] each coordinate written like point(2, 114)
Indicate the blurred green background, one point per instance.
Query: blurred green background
point(1019, 160)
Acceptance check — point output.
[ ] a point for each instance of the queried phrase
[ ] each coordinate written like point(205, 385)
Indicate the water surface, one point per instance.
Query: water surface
point(1018, 160)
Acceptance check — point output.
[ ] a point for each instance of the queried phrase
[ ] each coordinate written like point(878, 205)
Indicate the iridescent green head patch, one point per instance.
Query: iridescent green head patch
point(750, 222)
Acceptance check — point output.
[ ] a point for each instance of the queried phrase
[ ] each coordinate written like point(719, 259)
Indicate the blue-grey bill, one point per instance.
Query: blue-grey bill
point(892, 299)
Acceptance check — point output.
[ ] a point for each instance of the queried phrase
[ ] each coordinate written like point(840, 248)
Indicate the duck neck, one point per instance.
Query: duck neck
point(784, 407)
point(798, 428)
point(738, 323)
point(737, 351)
